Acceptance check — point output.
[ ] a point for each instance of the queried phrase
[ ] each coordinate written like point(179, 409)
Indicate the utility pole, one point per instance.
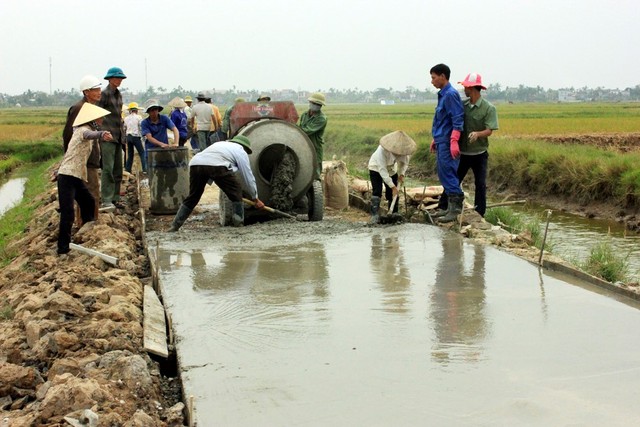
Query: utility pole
point(50, 90)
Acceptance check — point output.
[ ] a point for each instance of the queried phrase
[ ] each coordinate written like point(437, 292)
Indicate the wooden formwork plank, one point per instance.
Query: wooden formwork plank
point(154, 325)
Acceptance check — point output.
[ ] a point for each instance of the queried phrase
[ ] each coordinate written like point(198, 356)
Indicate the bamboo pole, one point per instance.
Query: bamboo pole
point(544, 239)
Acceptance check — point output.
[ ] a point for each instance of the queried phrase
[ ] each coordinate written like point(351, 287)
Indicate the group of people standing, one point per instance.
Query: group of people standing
point(96, 133)
point(460, 132)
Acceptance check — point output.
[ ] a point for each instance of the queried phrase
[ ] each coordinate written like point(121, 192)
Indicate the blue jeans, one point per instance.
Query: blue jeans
point(135, 141)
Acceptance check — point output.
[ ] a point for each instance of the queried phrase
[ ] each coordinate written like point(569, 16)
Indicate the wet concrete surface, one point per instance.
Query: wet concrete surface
point(335, 323)
point(11, 192)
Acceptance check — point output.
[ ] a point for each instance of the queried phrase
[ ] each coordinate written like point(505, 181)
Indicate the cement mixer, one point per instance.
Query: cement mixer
point(283, 161)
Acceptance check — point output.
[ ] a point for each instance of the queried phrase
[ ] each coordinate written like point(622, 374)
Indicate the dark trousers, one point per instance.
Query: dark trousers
point(478, 164)
point(71, 188)
point(376, 188)
point(135, 141)
point(203, 139)
point(199, 176)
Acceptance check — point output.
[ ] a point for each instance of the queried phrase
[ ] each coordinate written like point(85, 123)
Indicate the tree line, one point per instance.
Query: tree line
point(495, 92)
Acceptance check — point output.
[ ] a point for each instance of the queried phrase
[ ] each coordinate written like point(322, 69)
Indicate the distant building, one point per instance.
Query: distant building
point(565, 95)
point(387, 102)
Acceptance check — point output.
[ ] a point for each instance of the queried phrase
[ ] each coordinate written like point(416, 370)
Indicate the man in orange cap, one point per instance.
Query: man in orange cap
point(480, 120)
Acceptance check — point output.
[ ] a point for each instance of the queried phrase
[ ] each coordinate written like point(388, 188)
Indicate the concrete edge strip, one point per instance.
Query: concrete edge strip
point(563, 268)
point(152, 256)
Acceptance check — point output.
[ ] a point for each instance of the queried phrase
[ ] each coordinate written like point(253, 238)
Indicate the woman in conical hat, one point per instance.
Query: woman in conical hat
point(72, 174)
point(387, 166)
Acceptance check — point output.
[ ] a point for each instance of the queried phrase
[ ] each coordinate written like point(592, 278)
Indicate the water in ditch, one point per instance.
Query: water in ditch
point(572, 236)
point(11, 193)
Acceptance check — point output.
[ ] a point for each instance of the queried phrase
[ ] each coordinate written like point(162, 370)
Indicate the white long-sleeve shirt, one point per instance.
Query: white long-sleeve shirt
point(232, 156)
point(382, 161)
point(132, 124)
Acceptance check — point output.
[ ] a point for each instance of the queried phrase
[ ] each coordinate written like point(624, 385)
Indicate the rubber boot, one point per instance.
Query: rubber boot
point(238, 214)
point(375, 208)
point(180, 218)
point(443, 206)
point(455, 208)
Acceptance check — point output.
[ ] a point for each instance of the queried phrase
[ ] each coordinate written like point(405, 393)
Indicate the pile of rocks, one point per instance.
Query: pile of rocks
point(71, 328)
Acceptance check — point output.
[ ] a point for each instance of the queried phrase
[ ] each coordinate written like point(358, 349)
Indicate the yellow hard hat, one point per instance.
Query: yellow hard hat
point(317, 98)
point(188, 99)
point(133, 106)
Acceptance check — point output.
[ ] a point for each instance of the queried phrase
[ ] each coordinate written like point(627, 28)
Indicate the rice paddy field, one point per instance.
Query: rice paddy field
point(580, 151)
point(545, 148)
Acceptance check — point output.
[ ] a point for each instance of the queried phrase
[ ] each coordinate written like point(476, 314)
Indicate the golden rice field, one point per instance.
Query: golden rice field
point(25, 132)
point(514, 119)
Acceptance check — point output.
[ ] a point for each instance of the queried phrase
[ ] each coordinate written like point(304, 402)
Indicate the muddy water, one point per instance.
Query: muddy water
point(11, 193)
point(572, 237)
point(320, 324)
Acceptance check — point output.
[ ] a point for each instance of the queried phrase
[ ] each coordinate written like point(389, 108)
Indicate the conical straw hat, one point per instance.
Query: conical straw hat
point(89, 112)
point(177, 102)
point(398, 143)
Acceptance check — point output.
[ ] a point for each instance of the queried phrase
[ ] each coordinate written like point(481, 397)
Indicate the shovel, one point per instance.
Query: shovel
point(268, 209)
point(390, 217)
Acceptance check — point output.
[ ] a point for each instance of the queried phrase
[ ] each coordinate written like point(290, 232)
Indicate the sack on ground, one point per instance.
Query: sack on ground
point(336, 186)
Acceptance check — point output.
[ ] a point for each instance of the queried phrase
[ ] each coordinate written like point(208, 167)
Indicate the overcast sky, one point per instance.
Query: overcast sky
point(319, 44)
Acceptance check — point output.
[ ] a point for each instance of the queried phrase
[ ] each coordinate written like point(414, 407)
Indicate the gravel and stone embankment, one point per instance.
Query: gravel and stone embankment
point(72, 328)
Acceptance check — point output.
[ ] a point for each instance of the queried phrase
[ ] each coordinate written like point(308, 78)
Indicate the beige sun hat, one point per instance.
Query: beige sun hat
point(177, 102)
point(398, 143)
point(89, 112)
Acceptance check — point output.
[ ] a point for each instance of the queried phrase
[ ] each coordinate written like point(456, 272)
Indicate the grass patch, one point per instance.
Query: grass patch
point(604, 263)
point(577, 172)
point(17, 153)
point(6, 313)
point(512, 222)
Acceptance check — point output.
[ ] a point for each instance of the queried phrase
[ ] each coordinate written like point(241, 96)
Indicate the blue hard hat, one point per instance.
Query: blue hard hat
point(115, 72)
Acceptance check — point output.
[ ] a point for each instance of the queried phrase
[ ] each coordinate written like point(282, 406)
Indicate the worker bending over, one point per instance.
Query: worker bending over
point(219, 163)
point(387, 166)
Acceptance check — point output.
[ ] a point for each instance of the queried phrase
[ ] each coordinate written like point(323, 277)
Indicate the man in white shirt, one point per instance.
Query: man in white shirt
point(219, 163)
point(202, 119)
point(134, 138)
point(387, 167)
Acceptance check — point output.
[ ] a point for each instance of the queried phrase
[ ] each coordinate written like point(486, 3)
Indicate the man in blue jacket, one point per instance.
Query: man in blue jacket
point(448, 123)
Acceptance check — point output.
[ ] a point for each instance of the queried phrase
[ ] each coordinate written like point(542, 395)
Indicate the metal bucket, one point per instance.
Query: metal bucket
point(168, 178)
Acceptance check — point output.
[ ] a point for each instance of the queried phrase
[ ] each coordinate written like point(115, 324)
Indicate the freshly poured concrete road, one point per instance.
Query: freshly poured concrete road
point(397, 326)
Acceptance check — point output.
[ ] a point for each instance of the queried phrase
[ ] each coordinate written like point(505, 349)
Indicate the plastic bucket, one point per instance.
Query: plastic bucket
point(168, 178)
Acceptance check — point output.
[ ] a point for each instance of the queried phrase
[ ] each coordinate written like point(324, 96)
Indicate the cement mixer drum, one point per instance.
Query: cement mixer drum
point(271, 139)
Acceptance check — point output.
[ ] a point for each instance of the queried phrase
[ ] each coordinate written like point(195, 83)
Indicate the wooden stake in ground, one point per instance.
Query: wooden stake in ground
point(544, 239)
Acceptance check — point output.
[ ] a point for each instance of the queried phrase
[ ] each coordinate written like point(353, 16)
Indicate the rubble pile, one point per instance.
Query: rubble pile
point(71, 327)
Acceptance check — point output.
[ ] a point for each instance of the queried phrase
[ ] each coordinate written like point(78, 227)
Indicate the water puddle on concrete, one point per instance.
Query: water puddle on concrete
point(11, 193)
point(403, 325)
